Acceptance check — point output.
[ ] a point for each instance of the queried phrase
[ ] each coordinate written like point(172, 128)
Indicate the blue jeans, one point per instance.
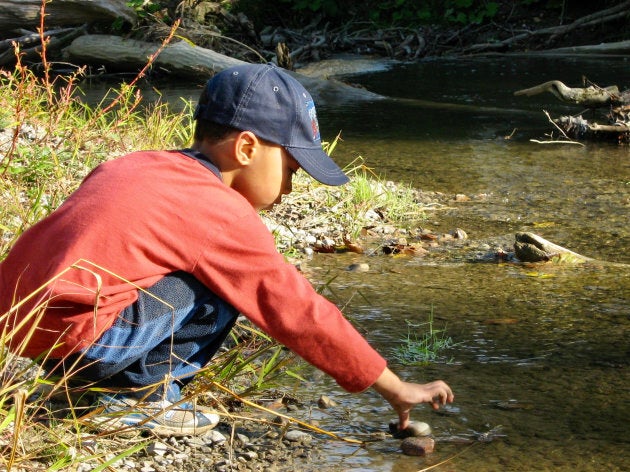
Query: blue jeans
point(152, 343)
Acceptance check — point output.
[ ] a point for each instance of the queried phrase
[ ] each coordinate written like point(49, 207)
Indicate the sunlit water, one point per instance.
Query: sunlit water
point(540, 351)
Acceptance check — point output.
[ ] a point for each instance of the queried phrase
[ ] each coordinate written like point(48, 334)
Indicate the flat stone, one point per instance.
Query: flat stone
point(295, 435)
point(414, 446)
point(214, 437)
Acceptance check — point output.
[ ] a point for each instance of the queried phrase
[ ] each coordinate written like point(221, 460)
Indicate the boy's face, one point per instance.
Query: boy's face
point(268, 177)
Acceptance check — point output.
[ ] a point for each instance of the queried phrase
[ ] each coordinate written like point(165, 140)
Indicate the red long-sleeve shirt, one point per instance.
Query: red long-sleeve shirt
point(145, 215)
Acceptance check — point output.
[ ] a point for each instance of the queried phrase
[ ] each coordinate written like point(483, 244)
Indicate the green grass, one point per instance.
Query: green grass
point(424, 344)
point(344, 213)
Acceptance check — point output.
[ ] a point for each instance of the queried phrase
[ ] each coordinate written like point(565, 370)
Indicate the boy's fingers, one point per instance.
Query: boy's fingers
point(403, 420)
point(441, 399)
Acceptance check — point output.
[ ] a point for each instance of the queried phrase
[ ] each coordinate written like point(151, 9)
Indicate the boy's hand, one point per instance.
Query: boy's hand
point(402, 396)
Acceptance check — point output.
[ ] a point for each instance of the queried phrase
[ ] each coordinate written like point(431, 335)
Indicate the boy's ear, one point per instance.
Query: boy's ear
point(245, 146)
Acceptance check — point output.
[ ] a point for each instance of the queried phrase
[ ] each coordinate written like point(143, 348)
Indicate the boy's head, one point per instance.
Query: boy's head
point(275, 107)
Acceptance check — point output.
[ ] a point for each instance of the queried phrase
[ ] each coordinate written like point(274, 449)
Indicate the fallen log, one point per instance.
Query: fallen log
point(590, 96)
point(617, 103)
point(618, 47)
point(184, 59)
point(30, 44)
point(119, 54)
point(26, 13)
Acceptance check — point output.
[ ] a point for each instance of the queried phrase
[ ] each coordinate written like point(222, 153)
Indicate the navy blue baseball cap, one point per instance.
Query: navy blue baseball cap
point(264, 99)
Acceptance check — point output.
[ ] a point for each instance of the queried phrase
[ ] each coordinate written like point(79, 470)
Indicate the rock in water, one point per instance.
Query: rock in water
point(326, 402)
point(415, 429)
point(417, 446)
point(529, 247)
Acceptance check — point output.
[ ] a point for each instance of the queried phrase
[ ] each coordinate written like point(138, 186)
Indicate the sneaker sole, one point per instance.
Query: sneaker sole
point(111, 423)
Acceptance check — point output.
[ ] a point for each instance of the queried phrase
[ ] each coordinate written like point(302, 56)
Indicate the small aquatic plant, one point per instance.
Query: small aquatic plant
point(423, 344)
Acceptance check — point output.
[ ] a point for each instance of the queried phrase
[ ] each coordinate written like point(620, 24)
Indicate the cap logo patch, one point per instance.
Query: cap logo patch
point(310, 106)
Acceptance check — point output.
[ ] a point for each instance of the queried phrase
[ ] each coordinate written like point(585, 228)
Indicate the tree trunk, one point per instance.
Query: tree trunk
point(119, 54)
point(26, 13)
point(190, 62)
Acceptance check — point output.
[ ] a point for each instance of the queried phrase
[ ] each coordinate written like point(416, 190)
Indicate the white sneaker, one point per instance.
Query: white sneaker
point(163, 417)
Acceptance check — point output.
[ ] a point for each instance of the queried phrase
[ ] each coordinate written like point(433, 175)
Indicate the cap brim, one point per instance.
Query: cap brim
point(318, 165)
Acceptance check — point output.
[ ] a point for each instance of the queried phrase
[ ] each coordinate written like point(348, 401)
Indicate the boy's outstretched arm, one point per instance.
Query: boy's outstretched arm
point(402, 396)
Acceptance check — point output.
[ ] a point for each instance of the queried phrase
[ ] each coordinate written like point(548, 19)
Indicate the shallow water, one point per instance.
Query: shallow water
point(541, 351)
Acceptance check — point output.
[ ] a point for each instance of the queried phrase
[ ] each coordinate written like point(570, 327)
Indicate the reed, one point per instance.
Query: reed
point(47, 420)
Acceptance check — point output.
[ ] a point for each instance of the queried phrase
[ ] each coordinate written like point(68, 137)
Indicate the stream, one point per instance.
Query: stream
point(541, 352)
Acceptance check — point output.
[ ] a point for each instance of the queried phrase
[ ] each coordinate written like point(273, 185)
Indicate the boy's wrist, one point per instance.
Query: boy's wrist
point(387, 385)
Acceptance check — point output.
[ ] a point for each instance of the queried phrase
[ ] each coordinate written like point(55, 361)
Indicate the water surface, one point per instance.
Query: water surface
point(542, 351)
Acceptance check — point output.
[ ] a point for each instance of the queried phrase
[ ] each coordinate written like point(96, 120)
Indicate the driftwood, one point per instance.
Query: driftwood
point(529, 247)
point(600, 18)
point(30, 44)
point(590, 96)
point(617, 104)
point(26, 13)
point(186, 60)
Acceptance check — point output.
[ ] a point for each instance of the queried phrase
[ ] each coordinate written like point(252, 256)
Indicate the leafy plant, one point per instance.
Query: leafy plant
point(144, 7)
point(469, 11)
point(329, 7)
point(253, 362)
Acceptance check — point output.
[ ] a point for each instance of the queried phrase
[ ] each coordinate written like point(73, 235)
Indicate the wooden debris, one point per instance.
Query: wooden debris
point(529, 247)
point(617, 125)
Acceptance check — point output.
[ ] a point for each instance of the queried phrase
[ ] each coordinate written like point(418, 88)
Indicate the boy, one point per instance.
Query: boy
point(183, 227)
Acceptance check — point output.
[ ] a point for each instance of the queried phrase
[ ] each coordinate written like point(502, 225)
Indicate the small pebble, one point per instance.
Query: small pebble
point(157, 448)
point(242, 438)
point(459, 233)
point(250, 455)
point(295, 435)
point(362, 267)
point(326, 402)
point(214, 437)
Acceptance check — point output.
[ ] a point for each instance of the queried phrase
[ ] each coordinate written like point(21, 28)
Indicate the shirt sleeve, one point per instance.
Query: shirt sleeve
point(242, 266)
